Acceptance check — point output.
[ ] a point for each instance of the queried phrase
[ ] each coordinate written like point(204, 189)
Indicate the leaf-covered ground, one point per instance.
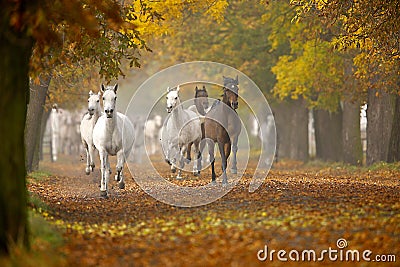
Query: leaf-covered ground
point(301, 209)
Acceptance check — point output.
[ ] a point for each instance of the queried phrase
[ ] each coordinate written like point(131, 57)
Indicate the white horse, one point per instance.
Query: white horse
point(113, 135)
point(55, 131)
point(151, 131)
point(182, 128)
point(86, 128)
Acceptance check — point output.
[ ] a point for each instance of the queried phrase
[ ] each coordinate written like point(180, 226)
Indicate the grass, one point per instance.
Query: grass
point(38, 176)
point(45, 241)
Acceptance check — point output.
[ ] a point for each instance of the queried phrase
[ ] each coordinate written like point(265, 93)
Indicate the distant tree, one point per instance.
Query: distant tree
point(373, 28)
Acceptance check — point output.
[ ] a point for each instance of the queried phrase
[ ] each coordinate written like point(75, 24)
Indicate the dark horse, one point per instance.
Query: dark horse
point(222, 125)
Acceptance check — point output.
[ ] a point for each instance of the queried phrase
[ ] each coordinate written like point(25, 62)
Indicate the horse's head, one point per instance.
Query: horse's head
point(93, 102)
point(172, 99)
point(231, 91)
point(109, 99)
point(201, 97)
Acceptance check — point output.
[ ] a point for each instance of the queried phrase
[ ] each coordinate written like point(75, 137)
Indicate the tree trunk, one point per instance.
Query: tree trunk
point(282, 113)
point(15, 51)
point(33, 128)
point(291, 120)
point(45, 117)
point(380, 113)
point(352, 149)
point(394, 142)
point(328, 135)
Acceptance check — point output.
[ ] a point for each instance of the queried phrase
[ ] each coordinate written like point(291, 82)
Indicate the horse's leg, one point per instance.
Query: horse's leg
point(189, 151)
point(210, 144)
point(120, 164)
point(183, 150)
point(221, 147)
point(104, 173)
point(87, 169)
point(202, 144)
point(234, 150)
point(197, 162)
point(91, 155)
point(153, 145)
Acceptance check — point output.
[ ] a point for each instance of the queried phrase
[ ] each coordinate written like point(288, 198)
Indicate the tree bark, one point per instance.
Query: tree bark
point(15, 51)
point(352, 149)
point(380, 114)
point(33, 127)
point(291, 120)
point(394, 142)
point(328, 135)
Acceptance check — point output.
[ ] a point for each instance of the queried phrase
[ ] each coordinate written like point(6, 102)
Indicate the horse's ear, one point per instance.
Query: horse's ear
point(168, 90)
point(177, 88)
point(237, 80)
point(115, 88)
point(204, 87)
point(197, 89)
point(99, 93)
point(90, 93)
point(102, 88)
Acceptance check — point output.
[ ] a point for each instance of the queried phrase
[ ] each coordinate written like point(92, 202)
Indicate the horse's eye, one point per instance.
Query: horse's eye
point(115, 98)
point(88, 101)
point(103, 98)
point(98, 101)
point(176, 98)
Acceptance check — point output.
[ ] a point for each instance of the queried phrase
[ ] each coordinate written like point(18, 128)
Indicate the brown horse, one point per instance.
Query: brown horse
point(222, 124)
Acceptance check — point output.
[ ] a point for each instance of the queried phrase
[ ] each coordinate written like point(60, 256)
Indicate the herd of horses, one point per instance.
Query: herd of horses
point(113, 134)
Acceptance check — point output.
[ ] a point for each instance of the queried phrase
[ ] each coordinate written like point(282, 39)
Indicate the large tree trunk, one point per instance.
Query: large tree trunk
point(380, 114)
point(328, 135)
point(292, 129)
point(33, 128)
point(394, 142)
point(352, 149)
point(15, 51)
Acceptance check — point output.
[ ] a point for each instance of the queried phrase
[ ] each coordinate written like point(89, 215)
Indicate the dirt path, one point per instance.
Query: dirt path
point(293, 210)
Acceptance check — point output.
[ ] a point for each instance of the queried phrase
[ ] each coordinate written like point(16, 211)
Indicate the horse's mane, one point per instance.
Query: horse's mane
point(215, 104)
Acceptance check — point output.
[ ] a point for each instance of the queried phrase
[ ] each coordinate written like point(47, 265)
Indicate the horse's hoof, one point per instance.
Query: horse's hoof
point(196, 173)
point(167, 161)
point(179, 177)
point(87, 171)
point(224, 183)
point(173, 170)
point(213, 182)
point(187, 161)
point(234, 171)
point(117, 178)
point(103, 194)
point(121, 185)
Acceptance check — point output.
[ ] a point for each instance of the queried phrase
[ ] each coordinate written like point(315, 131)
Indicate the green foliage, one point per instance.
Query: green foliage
point(39, 175)
point(239, 39)
point(311, 74)
point(45, 241)
point(309, 68)
point(369, 27)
